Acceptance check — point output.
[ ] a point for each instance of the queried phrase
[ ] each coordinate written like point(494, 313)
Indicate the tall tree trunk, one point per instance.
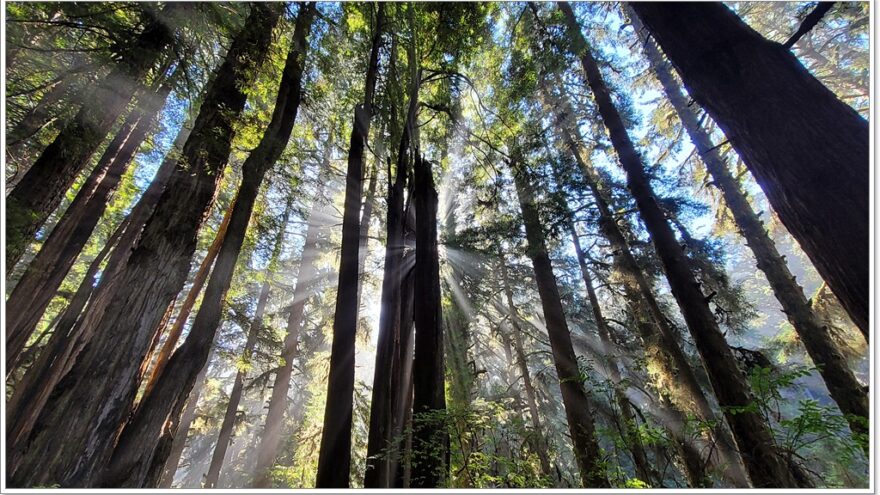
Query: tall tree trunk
point(850, 395)
point(70, 336)
point(151, 278)
point(574, 395)
point(430, 436)
point(537, 440)
point(44, 185)
point(766, 465)
point(334, 459)
point(270, 438)
point(189, 302)
point(160, 410)
point(224, 438)
point(676, 377)
point(53, 261)
point(807, 149)
point(402, 366)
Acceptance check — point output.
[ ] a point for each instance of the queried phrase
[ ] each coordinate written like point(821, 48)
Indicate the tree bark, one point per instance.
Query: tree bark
point(334, 459)
point(160, 410)
point(44, 185)
point(45, 273)
point(766, 465)
point(845, 389)
point(190, 301)
point(70, 335)
point(574, 395)
point(151, 278)
point(806, 148)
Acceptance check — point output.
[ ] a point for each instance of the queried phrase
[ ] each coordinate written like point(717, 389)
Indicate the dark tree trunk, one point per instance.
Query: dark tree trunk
point(366, 218)
point(53, 261)
point(402, 366)
point(160, 410)
point(574, 395)
point(766, 465)
point(537, 440)
point(44, 185)
point(70, 335)
point(334, 459)
point(850, 395)
point(153, 275)
point(189, 302)
point(807, 149)
point(270, 438)
point(224, 438)
point(430, 453)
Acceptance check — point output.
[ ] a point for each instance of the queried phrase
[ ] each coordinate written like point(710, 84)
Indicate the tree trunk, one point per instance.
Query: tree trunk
point(270, 439)
point(224, 438)
point(766, 465)
point(574, 395)
point(402, 366)
point(153, 275)
point(430, 436)
point(44, 185)
point(190, 301)
point(70, 335)
point(130, 465)
point(806, 148)
point(366, 218)
point(334, 459)
point(850, 395)
point(537, 441)
point(56, 257)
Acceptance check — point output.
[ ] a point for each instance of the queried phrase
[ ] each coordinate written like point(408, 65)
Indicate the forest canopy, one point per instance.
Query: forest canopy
point(437, 245)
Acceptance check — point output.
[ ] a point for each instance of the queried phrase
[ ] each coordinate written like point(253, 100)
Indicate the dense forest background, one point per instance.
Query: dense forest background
point(430, 244)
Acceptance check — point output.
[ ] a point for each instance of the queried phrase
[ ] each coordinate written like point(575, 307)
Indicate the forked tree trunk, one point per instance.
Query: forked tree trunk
point(70, 335)
point(334, 459)
point(807, 149)
point(46, 182)
point(850, 395)
point(180, 434)
point(765, 463)
point(189, 302)
point(45, 273)
point(160, 411)
point(380, 445)
point(153, 275)
point(574, 395)
point(430, 436)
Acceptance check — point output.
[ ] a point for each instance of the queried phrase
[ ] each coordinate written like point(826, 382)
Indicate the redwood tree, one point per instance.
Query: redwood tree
point(807, 149)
